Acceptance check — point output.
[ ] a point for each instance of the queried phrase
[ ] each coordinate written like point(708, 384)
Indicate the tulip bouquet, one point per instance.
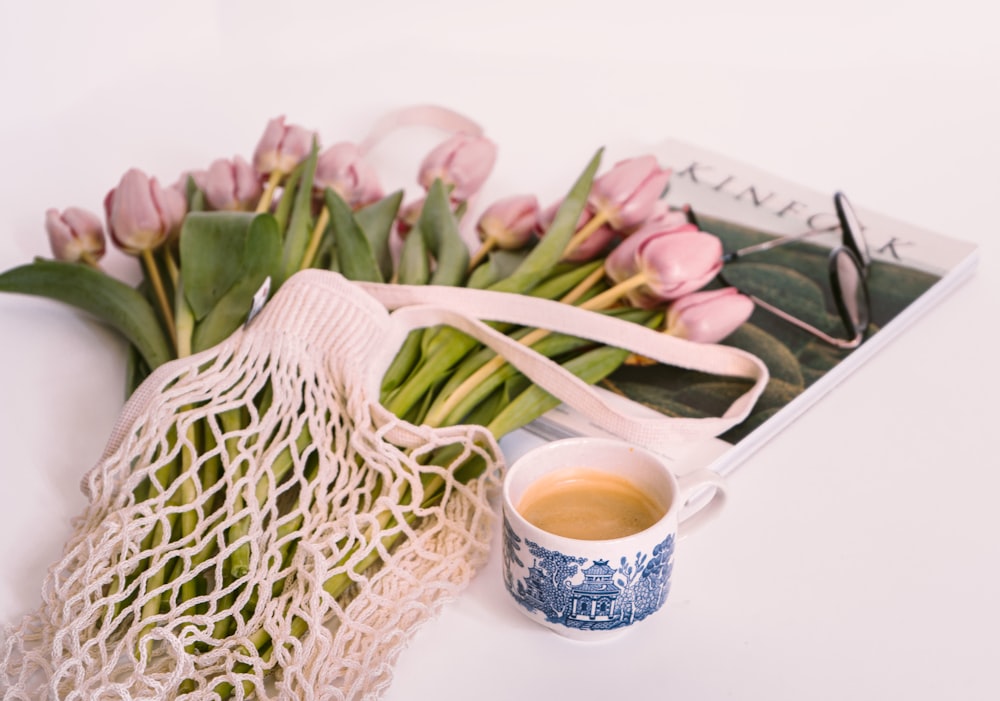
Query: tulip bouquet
point(208, 243)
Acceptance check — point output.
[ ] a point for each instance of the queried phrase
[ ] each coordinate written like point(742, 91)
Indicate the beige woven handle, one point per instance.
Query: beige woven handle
point(463, 308)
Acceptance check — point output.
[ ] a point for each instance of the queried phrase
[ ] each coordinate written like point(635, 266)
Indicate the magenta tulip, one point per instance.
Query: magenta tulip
point(75, 235)
point(462, 162)
point(626, 194)
point(142, 214)
point(343, 169)
point(708, 316)
point(281, 147)
point(230, 185)
point(663, 265)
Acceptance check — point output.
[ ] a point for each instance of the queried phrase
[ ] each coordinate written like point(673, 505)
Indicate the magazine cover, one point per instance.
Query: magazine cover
point(780, 240)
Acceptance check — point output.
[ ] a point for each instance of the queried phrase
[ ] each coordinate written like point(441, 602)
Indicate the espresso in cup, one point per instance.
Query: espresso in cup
point(589, 504)
point(589, 526)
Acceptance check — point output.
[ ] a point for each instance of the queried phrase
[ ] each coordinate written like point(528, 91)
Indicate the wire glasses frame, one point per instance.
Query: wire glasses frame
point(848, 266)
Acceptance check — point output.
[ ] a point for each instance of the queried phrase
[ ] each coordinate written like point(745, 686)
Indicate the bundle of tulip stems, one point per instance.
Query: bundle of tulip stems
point(207, 243)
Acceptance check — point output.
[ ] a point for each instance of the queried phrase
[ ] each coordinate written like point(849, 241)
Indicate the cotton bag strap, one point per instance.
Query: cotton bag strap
point(465, 308)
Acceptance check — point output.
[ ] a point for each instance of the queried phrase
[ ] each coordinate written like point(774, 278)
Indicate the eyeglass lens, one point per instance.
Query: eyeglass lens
point(850, 291)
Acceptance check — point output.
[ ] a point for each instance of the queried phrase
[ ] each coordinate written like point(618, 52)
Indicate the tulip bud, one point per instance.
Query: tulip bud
point(75, 235)
point(462, 162)
point(343, 169)
point(509, 222)
point(708, 316)
point(281, 147)
point(141, 214)
point(589, 248)
point(230, 185)
point(626, 193)
point(673, 263)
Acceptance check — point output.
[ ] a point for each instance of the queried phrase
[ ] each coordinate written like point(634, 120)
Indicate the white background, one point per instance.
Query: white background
point(859, 557)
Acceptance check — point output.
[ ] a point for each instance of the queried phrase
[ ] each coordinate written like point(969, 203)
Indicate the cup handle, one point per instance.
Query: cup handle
point(704, 495)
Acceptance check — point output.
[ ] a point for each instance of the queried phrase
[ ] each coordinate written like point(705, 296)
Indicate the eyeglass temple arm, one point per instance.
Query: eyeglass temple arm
point(774, 243)
point(764, 245)
point(832, 340)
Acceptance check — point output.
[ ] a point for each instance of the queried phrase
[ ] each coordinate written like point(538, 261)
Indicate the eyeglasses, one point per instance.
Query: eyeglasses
point(848, 266)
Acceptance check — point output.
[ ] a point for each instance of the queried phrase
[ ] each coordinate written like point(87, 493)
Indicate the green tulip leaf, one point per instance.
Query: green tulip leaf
point(299, 229)
point(210, 246)
point(261, 249)
point(549, 250)
point(439, 227)
point(354, 251)
point(283, 210)
point(414, 267)
point(499, 265)
point(376, 222)
point(110, 300)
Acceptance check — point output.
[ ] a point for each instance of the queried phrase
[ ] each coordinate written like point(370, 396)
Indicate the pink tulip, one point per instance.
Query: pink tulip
point(281, 147)
point(627, 193)
point(343, 169)
point(230, 185)
point(708, 316)
point(591, 247)
point(663, 217)
point(141, 214)
point(509, 222)
point(75, 235)
point(672, 263)
point(462, 162)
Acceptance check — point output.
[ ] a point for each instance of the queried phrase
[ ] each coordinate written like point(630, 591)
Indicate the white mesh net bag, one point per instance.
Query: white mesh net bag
point(243, 490)
point(260, 526)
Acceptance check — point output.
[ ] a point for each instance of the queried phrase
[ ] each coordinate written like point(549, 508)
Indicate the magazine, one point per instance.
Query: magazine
point(910, 270)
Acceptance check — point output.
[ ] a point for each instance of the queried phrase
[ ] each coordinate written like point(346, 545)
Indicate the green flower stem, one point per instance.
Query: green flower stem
point(591, 367)
point(564, 282)
point(440, 413)
point(184, 320)
point(599, 219)
point(550, 346)
point(444, 349)
point(315, 238)
point(489, 243)
point(266, 197)
point(153, 274)
point(186, 494)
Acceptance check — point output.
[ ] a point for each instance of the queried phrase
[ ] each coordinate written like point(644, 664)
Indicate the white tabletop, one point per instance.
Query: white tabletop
point(858, 557)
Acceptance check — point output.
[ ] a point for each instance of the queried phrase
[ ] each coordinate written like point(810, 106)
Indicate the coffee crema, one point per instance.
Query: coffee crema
point(588, 504)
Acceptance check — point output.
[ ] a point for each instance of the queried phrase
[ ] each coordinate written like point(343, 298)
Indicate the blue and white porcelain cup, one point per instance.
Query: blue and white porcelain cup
point(596, 589)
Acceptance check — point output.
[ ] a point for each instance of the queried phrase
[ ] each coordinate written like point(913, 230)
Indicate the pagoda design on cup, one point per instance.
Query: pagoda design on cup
point(588, 594)
point(596, 597)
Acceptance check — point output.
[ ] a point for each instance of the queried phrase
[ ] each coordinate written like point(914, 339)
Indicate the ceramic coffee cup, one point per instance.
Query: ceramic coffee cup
point(612, 513)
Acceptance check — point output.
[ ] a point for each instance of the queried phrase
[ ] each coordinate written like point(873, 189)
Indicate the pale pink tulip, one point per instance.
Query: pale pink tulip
point(663, 217)
point(281, 147)
point(510, 222)
point(673, 263)
point(343, 169)
point(75, 235)
point(708, 316)
point(462, 162)
point(230, 184)
point(142, 214)
point(627, 193)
